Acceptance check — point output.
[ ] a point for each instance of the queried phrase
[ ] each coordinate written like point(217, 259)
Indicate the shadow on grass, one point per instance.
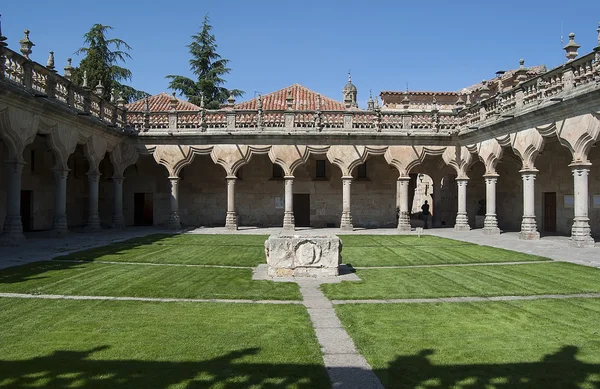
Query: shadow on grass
point(33, 271)
point(560, 370)
point(79, 369)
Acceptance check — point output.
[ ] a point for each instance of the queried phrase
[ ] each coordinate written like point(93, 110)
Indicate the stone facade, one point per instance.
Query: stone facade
point(512, 153)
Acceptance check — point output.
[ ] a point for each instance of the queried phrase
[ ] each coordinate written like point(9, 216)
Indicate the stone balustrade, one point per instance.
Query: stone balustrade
point(42, 81)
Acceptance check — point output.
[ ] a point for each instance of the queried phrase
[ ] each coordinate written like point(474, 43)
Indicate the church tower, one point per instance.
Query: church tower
point(350, 93)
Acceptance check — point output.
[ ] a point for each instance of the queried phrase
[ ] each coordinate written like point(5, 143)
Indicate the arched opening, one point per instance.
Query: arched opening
point(509, 192)
point(3, 184)
point(434, 181)
point(594, 191)
point(146, 193)
point(202, 193)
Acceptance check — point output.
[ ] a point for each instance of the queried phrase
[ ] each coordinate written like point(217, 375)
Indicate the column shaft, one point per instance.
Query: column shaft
point(174, 221)
point(93, 222)
point(581, 231)
point(59, 223)
point(490, 224)
point(462, 220)
point(13, 227)
point(346, 221)
point(118, 219)
point(529, 225)
point(231, 220)
point(289, 222)
point(404, 214)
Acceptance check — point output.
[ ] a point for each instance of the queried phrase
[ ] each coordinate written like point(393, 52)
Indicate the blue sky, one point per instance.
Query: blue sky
point(432, 45)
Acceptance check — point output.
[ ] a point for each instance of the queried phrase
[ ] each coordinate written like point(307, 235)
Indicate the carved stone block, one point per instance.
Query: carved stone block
point(303, 255)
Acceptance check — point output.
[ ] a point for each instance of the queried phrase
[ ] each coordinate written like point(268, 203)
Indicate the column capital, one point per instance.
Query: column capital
point(349, 178)
point(13, 163)
point(231, 177)
point(529, 171)
point(404, 178)
point(288, 178)
point(93, 176)
point(117, 178)
point(491, 175)
point(462, 179)
point(580, 165)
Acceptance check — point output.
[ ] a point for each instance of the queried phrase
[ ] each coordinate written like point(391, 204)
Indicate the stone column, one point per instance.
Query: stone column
point(59, 223)
point(580, 231)
point(346, 222)
point(231, 222)
point(93, 222)
point(529, 224)
point(174, 222)
point(288, 217)
point(404, 216)
point(462, 220)
point(13, 227)
point(118, 219)
point(490, 224)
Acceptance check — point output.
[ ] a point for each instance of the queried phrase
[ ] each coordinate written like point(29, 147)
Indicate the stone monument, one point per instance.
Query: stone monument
point(303, 255)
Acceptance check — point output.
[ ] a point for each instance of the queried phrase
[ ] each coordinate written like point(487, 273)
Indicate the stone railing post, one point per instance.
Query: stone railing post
point(348, 120)
point(231, 120)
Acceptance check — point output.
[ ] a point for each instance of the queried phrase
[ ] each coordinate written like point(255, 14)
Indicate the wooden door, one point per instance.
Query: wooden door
point(302, 210)
point(549, 212)
point(143, 209)
point(27, 209)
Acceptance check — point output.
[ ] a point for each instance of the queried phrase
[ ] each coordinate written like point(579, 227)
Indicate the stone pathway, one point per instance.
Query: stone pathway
point(347, 369)
point(450, 265)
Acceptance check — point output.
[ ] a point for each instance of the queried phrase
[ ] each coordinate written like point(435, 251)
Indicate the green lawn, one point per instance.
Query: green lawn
point(546, 344)
point(124, 345)
point(408, 250)
point(454, 281)
point(232, 250)
point(141, 281)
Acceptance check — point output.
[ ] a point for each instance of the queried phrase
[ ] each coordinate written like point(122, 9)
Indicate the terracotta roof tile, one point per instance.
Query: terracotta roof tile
point(304, 100)
point(161, 103)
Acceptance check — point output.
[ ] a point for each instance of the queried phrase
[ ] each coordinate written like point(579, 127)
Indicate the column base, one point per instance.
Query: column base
point(529, 229)
point(12, 234)
point(59, 226)
point(462, 223)
point(581, 234)
point(118, 222)
point(174, 222)
point(231, 222)
point(289, 223)
point(490, 225)
point(93, 224)
point(346, 222)
point(491, 231)
point(404, 222)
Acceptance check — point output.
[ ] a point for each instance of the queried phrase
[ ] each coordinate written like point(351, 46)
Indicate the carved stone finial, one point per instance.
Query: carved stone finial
point(406, 99)
point(598, 30)
point(99, 89)
point(147, 104)
point(376, 102)
point(289, 100)
point(434, 103)
point(50, 62)
point(84, 84)
point(468, 102)
point(571, 48)
point(231, 101)
point(26, 45)
point(521, 72)
point(202, 101)
point(173, 102)
point(485, 90)
point(318, 102)
point(112, 95)
point(68, 70)
point(2, 37)
point(120, 100)
point(259, 102)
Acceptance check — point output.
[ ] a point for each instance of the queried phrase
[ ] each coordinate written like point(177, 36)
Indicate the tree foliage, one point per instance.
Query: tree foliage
point(102, 57)
point(209, 68)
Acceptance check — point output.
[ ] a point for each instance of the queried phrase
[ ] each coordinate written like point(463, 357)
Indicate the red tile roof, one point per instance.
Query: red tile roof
point(161, 103)
point(304, 100)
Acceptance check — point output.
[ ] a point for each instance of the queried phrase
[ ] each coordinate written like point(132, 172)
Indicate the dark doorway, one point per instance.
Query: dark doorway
point(143, 209)
point(27, 210)
point(549, 211)
point(302, 210)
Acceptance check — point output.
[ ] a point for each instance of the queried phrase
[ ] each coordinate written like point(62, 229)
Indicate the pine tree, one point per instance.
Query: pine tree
point(101, 63)
point(209, 67)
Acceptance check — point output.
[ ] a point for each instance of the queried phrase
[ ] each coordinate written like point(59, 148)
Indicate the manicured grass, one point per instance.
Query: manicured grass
point(232, 250)
point(534, 344)
point(108, 344)
point(407, 250)
point(454, 281)
point(142, 281)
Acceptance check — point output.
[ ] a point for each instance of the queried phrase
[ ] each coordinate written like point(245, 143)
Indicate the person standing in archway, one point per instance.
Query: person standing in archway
point(425, 213)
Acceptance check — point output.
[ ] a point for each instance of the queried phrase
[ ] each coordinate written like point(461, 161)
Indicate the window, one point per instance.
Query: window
point(277, 172)
point(321, 172)
point(361, 171)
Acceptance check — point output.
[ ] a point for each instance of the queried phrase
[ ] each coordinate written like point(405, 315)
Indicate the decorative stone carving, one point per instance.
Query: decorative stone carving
point(300, 255)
